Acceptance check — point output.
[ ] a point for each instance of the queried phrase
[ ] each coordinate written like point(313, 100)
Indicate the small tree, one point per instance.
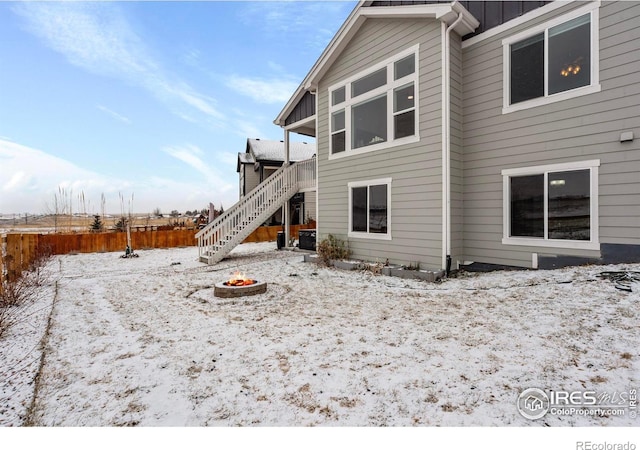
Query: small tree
point(97, 226)
point(121, 224)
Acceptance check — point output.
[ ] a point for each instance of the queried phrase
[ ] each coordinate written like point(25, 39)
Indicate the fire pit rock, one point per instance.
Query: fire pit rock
point(225, 290)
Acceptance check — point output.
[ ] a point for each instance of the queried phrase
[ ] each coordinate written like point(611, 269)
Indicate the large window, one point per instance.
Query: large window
point(369, 206)
point(555, 61)
point(375, 109)
point(552, 206)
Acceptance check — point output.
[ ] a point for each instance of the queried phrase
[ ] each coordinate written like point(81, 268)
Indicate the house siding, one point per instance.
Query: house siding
point(578, 129)
point(310, 206)
point(415, 169)
point(251, 177)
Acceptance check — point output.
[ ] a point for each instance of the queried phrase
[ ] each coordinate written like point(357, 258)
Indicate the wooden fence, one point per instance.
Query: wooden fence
point(267, 234)
point(20, 250)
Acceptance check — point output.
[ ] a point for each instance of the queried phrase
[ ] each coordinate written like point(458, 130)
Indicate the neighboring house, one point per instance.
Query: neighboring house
point(261, 159)
point(495, 133)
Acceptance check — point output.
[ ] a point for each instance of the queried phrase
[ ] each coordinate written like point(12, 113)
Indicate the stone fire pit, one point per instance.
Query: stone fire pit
point(226, 290)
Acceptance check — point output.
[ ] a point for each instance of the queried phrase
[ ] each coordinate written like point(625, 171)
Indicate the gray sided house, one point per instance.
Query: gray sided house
point(478, 133)
point(261, 159)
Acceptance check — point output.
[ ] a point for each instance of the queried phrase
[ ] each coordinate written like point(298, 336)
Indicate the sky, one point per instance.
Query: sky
point(146, 103)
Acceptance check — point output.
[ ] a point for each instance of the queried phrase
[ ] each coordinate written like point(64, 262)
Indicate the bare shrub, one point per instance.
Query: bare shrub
point(332, 248)
point(13, 296)
point(17, 291)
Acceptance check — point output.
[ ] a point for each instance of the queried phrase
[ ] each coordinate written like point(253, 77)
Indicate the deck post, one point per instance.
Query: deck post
point(286, 216)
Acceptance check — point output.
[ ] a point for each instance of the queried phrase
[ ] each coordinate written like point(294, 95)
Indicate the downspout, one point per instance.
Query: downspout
point(446, 147)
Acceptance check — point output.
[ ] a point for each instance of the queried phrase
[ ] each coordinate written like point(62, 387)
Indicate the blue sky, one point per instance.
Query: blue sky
point(148, 100)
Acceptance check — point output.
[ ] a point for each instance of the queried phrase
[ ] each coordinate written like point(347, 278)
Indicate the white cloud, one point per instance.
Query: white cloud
point(229, 158)
point(275, 66)
point(190, 155)
point(292, 18)
point(29, 178)
point(262, 90)
point(247, 129)
point(97, 37)
point(193, 156)
point(114, 114)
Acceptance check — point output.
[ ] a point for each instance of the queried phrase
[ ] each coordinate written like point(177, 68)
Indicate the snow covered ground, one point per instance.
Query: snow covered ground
point(143, 341)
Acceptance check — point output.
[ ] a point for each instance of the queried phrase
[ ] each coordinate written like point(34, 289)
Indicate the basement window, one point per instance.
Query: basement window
point(552, 206)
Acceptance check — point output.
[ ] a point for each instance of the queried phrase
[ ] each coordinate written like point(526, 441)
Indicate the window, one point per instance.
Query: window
point(404, 112)
point(337, 96)
point(369, 122)
point(338, 132)
point(552, 62)
point(552, 206)
point(375, 109)
point(369, 82)
point(369, 206)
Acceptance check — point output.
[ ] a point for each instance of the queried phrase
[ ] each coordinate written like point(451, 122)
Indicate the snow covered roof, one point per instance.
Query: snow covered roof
point(263, 150)
point(246, 158)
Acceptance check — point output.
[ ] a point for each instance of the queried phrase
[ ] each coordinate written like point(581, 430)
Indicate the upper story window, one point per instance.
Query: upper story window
point(555, 61)
point(375, 109)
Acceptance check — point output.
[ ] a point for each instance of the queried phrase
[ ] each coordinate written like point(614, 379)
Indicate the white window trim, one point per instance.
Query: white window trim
point(388, 88)
point(593, 9)
point(592, 244)
point(367, 235)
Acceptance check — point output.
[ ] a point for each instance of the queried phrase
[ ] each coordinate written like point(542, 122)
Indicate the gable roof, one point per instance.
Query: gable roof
point(446, 12)
point(260, 150)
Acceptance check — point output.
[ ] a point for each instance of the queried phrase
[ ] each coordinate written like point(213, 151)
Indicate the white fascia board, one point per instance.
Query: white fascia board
point(293, 101)
point(447, 13)
point(433, 11)
point(306, 121)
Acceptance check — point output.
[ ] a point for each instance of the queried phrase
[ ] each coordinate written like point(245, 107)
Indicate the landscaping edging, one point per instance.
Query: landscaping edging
point(392, 270)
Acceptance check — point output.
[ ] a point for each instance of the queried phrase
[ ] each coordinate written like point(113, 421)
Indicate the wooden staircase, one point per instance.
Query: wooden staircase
point(218, 238)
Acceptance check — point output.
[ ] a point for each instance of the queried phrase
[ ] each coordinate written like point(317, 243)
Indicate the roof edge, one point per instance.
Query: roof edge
point(445, 12)
point(297, 95)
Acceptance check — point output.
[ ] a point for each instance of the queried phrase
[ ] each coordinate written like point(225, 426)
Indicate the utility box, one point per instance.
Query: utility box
point(307, 239)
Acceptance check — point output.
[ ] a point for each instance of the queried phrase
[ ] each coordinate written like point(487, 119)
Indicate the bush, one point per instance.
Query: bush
point(17, 291)
point(332, 248)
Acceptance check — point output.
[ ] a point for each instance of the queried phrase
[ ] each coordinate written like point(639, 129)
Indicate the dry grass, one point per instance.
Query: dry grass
point(66, 223)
